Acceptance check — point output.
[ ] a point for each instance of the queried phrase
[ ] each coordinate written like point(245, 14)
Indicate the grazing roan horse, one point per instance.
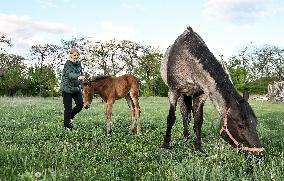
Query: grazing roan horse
point(192, 74)
point(111, 88)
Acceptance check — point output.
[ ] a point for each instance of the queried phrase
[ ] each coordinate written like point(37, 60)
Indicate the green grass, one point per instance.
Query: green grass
point(34, 145)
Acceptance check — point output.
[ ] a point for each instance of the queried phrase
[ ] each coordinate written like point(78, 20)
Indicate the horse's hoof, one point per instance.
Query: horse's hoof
point(198, 149)
point(164, 150)
point(186, 138)
point(165, 146)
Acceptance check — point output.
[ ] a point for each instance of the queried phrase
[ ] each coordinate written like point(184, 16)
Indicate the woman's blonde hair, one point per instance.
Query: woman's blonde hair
point(74, 50)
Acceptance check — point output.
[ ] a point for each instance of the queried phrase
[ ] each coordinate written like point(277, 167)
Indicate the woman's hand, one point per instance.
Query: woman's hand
point(81, 77)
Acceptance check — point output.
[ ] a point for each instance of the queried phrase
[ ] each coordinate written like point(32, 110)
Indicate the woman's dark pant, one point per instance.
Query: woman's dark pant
point(70, 113)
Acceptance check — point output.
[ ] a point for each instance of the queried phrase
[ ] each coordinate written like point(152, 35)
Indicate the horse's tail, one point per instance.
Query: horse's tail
point(188, 103)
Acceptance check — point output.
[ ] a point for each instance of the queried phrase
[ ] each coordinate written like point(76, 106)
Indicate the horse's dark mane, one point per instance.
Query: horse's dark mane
point(198, 49)
point(246, 110)
point(100, 77)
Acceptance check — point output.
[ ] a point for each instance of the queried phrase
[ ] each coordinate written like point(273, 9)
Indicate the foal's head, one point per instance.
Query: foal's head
point(239, 126)
point(88, 94)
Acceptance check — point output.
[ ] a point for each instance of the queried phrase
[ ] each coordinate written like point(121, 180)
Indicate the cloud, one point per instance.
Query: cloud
point(25, 31)
point(111, 31)
point(242, 11)
point(13, 23)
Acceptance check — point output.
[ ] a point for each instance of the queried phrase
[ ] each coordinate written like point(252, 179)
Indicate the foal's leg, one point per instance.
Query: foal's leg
point(198, 104)
point(173, 96)
point(185, 102)
point(108, 115)
point(131, 107)
point(134, 98)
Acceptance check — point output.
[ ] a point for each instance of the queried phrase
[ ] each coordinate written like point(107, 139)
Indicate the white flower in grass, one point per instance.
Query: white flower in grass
point(37, 174)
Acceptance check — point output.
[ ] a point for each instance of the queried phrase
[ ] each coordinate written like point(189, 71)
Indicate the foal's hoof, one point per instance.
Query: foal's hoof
point(109, 132)
point(138, 133)
point(132, 130)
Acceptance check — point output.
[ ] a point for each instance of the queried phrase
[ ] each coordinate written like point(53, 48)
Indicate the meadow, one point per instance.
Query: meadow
point(34, 145)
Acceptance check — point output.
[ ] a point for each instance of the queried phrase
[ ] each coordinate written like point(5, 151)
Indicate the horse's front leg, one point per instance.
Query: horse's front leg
point(108, 116)
point(173, 96)
point(198, 104)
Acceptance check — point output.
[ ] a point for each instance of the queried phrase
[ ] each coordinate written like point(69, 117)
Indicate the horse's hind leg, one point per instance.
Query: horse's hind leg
point(108, 115)
point(131, 107)
point(185, 104)
point(134, 98)
point(198, 104)
point(173, 96)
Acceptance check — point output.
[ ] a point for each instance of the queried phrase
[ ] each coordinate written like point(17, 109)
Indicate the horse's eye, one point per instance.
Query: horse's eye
point(241, 126)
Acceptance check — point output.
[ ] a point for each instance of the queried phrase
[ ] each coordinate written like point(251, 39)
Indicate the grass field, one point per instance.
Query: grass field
point(34, 145)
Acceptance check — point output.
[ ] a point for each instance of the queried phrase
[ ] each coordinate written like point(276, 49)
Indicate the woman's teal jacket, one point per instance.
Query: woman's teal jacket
point(71, 72)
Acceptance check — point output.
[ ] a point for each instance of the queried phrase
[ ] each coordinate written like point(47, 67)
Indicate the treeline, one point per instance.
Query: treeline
point(39, 74)
point(257, 66)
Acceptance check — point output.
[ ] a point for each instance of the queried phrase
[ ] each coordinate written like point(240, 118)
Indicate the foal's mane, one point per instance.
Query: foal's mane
point(100, 77)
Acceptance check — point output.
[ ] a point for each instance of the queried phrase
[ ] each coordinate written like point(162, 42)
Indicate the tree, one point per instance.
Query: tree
point(4, 41)
point(255, 67)
point(41, 81)
point(50, 55)
point(113, 57)
point(12, 76)
point(269, 62)
point(80, 43)
point(48, 58)
point(149, 71)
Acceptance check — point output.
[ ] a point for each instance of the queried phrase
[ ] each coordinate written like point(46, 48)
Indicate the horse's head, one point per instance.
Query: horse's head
point(88, 94)
point(238, 126)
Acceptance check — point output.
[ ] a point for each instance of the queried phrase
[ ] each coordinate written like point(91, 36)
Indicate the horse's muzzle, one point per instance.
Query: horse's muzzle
point(86, 106)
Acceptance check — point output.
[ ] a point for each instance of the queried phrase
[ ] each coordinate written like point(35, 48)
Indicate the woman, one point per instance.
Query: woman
point(70, 87)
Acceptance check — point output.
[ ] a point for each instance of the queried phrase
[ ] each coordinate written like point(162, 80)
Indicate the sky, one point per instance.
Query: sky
point(226, 26)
